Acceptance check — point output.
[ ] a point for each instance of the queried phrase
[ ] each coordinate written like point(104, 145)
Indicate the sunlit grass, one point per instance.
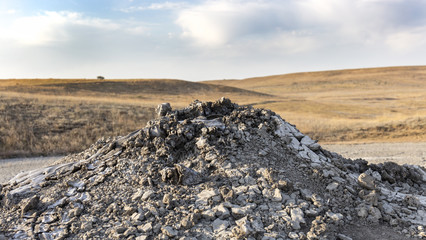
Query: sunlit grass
point(364, 105)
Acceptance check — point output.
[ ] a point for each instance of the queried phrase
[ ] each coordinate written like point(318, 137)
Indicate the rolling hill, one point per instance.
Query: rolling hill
point(373, 104)
point(341, 106)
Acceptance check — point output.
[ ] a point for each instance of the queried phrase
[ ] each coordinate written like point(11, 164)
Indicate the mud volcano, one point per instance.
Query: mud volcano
point(214, 170)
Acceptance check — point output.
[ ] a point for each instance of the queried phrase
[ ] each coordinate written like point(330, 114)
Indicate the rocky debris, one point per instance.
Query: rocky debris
point(213, 170)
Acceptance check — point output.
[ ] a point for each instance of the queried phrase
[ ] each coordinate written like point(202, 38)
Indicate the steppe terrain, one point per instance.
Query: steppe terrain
point(59, 116)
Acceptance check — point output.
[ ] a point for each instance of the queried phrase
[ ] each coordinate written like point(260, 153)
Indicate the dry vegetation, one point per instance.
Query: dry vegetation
point(359, 105)
point(55, 116)
point(37, 126)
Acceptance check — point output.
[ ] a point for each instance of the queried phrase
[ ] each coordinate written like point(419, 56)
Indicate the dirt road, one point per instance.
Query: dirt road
point(401, 153)
point(10, 167)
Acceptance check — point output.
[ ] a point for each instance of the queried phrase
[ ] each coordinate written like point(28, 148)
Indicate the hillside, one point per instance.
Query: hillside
point(60, 116)
point(57, 116)
point(367, 78)
point(376, 104)
point(132, 90)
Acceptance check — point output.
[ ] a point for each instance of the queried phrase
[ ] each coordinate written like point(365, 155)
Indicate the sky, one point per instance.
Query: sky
point(205, 40)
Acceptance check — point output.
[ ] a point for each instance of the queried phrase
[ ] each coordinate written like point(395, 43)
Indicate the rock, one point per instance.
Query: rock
point(239, 212)
point(335, 216)
point(86, 226)
point(120, 229)
point(362, 212)
point(29, 204)
point(129, 210)
point(138, 217)
point(244, 228)
point(366, 181)
point(142, 237)
point(221, 212)
point(75, 212)
point(412, 201)
point(371, 197)
point(169, 231)
point(205, 195)
point(332, 186)
point(147, 195)
point(163, 109)
point(167, 199)
point(147, 228)
point(374, 215)
point(273, 194)
point(297, 218)
point(293, 235)
point(208, 214)
point(188, 176)
point(137, 195)
point(220, 225)
point(311, 144)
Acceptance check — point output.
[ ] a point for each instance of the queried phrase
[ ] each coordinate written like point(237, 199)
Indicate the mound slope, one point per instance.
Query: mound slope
point(214, 170)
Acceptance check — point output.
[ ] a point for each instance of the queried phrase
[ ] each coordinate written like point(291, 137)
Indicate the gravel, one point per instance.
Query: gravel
point(214, 170)
point(402, 153)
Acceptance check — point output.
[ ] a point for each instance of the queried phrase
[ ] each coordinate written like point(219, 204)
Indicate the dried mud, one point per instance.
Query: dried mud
point(214, 170)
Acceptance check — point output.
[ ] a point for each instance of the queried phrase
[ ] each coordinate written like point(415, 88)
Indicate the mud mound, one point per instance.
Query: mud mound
point(214, 170)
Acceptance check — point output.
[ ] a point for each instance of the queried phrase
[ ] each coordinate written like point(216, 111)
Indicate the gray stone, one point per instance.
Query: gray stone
point(208, 214)
point(167, 199)
point(293, 235)
point(142, 237)
point(147, 228)
point(163, 109)
point(335, 216)
point(374, 215)
point(220, 225)
point(30, 204)
point(221, 212)
point(297, 218)
point(169, 231)
point(366, 181)
point(188, 176)
point(362, 211)
point(138, 217)
point(244, 229)
point(332, 186)
point(147, 195)
point(205, 195)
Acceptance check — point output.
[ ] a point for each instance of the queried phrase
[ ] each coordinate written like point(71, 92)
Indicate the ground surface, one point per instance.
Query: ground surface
point(10, 167)
point(401, 153)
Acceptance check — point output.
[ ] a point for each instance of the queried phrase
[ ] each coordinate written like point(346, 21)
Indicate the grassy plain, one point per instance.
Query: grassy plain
point(358, 105)
point(56, 116)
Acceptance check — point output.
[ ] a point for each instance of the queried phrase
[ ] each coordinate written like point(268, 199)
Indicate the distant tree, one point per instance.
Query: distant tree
point(100, 78)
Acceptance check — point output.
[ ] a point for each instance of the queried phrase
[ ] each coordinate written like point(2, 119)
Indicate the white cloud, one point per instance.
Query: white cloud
point(155, 6)
point(11, 11)
point(224, 23)
point(55, 27)
point(216, 23)
point(407, 40)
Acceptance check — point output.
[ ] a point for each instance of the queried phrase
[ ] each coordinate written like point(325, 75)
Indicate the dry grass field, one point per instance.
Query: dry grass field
point(56, 116)
point(359, 105)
